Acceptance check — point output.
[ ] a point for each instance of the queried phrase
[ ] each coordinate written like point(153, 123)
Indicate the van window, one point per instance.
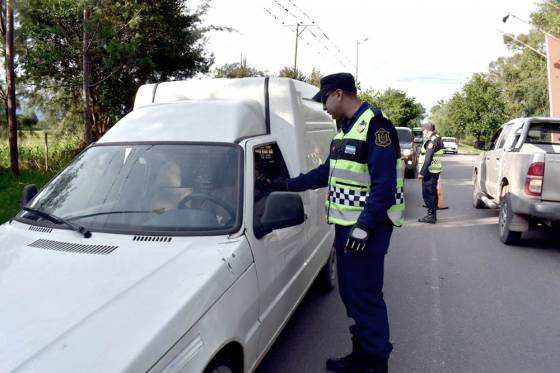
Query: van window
point(268, 164)
point(141, 188)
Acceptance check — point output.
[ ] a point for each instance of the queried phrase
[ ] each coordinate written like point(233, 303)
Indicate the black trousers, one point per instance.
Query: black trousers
point(429, 190)
point(360, 282)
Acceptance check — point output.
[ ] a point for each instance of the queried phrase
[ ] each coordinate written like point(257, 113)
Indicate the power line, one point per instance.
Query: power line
point(318, 27)
point(326, 49)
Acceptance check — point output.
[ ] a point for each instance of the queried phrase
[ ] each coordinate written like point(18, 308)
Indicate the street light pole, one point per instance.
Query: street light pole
point(357, 54)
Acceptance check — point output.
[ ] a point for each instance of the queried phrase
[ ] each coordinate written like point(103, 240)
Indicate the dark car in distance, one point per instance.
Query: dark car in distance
point(409, 153)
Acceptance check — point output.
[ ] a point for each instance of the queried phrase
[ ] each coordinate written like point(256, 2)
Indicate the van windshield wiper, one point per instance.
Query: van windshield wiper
point(156, 211)
point(55, 219)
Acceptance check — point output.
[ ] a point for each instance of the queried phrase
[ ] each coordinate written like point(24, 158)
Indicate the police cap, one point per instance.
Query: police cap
point(331, 83)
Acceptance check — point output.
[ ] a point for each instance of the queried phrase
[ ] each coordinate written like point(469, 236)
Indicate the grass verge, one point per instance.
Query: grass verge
point(468, 149)
point(11, 187)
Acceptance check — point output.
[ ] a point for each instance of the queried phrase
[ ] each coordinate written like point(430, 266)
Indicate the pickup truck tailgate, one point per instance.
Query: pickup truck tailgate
point(551, 186)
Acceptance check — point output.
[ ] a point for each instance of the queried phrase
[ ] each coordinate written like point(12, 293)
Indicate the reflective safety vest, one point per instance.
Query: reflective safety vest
point(435, 166)
point(349, 178)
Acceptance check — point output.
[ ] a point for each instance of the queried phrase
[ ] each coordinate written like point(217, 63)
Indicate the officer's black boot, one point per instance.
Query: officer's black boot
point(430, 218)
point(350, 363)
point(374, 366)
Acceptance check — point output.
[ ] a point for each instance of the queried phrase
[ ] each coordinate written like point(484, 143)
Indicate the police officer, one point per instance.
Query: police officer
point(431, 154)
point(365, 200)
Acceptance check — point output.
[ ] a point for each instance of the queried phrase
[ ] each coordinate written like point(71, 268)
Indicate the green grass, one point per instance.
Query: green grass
point(12, 186)
point(467, 149)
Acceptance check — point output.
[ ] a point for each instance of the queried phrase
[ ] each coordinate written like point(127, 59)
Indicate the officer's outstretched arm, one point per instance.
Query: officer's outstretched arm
point(316, 178)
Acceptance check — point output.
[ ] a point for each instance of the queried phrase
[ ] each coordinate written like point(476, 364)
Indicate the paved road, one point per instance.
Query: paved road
point(459, 301)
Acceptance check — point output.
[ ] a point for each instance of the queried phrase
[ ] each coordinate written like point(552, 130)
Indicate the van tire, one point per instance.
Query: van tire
point(507, 236)
point(327, 278)
point(221, 365)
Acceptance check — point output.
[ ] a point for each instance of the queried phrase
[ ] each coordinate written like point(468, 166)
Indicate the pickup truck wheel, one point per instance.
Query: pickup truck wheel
point(476, 200)
point(507, 236)
point(326, 280)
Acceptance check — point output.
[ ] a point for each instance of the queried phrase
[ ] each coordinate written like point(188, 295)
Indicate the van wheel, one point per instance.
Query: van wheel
point(326, 280)
point(507, 236)
point(476, 200)
point(221, 365)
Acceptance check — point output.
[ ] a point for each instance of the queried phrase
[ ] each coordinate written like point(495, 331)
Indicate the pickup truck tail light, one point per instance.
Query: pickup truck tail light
point(534, 180)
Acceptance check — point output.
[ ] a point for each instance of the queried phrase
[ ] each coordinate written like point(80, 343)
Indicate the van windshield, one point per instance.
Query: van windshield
point(147, 188)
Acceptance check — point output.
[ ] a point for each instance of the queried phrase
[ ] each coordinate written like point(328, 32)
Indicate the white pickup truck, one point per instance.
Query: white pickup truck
point(158, 248)
point(519, 172)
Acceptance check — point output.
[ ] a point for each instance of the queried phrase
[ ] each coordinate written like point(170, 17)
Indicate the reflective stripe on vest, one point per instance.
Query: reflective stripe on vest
point(350, 181)
point(435, 166)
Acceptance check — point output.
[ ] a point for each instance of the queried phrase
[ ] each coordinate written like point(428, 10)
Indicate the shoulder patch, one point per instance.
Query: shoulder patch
point(382, 138)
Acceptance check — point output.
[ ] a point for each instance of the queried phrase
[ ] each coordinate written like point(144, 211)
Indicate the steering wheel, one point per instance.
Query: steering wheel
point(210, 198)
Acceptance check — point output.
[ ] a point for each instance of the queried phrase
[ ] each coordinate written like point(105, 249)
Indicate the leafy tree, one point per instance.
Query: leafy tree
point(480, 109)
point(130, 43)
point(237, 70)
point(288, 72)
point(402, 110)
point(315, 78)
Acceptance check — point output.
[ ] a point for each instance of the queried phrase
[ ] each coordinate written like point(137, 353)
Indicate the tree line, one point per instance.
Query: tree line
point(514, 86)
point(79, 63)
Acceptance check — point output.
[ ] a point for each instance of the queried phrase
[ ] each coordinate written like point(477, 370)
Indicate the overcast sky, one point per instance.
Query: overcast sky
point(428, 48)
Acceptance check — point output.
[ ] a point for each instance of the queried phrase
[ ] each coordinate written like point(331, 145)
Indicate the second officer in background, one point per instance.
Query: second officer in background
point(431, 167)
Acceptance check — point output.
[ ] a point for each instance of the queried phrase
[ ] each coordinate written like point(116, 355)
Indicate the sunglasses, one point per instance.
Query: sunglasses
point(325, 97)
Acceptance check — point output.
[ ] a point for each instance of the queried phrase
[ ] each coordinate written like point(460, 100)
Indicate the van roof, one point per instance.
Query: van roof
point(195, 120)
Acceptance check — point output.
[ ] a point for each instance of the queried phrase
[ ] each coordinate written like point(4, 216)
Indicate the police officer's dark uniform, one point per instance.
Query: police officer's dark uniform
point(432, 152)
point(364, 202)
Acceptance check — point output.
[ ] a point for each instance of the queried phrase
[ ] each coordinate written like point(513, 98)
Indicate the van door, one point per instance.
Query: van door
point(279, 255)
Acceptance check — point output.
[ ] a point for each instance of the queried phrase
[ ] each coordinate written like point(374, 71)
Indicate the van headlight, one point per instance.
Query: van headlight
point(406, 152)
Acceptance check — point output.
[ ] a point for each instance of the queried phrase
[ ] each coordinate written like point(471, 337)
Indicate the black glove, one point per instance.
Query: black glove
point(357, 239)
point(279, 184)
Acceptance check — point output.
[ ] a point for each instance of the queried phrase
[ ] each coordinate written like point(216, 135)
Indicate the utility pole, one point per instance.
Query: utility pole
point(357, 48)
point(298, 34)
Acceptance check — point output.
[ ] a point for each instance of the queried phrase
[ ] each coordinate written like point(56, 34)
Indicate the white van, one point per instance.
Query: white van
point(157, 249)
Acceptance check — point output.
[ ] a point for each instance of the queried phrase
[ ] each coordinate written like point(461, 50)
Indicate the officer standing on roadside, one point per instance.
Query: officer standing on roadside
point(365, 200)
point(432, 153)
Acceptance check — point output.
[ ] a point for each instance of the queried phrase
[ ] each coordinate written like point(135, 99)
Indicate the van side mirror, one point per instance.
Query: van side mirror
point(282, 210)
point(29, 191)
point(479, 144)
